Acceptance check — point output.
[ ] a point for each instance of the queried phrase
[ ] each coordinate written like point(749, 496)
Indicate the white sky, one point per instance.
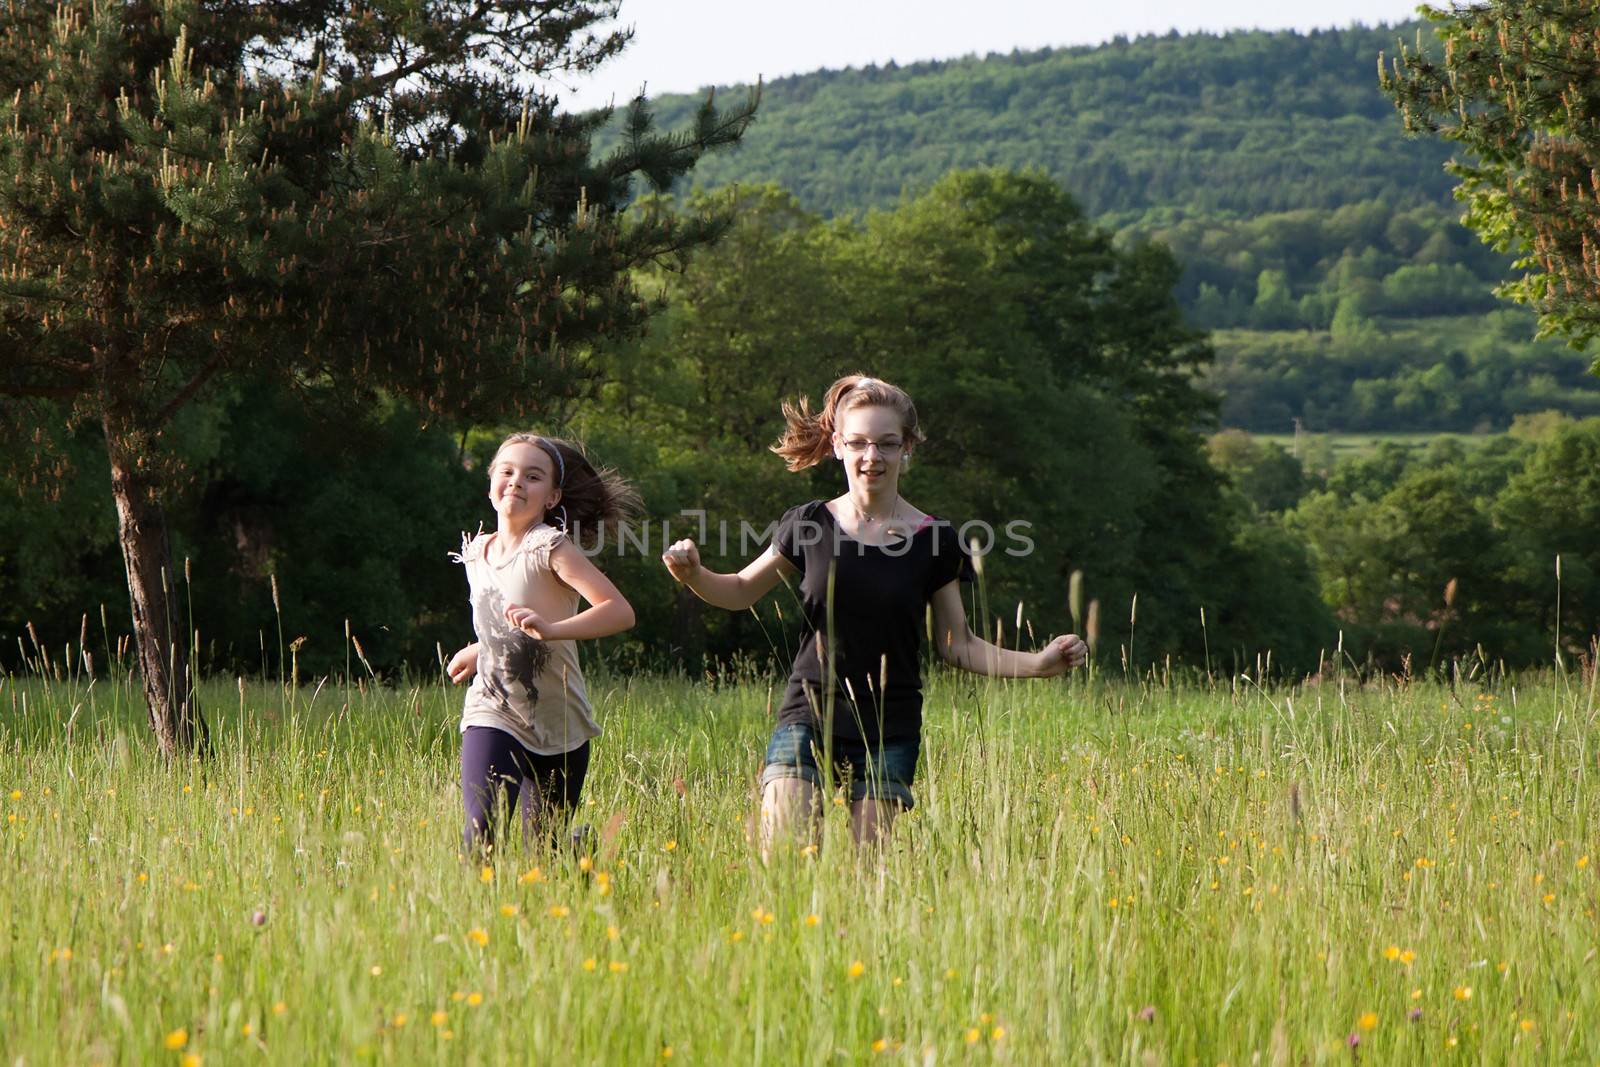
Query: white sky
point(683, 45)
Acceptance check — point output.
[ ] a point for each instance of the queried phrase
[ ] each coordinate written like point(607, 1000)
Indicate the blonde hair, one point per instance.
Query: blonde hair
point(808, 438)
point(591, 496)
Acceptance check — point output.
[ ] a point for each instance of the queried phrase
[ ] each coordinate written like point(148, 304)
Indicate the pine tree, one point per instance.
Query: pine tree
point(345, 200)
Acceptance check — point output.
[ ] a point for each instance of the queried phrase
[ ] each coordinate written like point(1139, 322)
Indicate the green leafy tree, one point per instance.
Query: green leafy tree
point(1418, 568)
point(1516, 86)
point(1006, 314)
point(1267, 474)
point(341, 200)
point(1552, 508)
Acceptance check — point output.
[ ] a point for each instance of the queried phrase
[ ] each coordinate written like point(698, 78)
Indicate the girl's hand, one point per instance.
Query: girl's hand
point(463, 665)
point(1061, 655)
point(527, 620)
point(683, 560)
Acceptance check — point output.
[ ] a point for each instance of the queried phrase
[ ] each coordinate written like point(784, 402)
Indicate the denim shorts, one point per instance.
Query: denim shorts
point(881, 772)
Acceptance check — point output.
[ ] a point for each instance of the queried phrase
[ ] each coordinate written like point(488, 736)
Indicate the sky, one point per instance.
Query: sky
point(683, 45)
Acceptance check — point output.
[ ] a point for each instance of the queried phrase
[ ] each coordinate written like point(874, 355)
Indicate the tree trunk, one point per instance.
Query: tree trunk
point(689, 625)
point(159, 637)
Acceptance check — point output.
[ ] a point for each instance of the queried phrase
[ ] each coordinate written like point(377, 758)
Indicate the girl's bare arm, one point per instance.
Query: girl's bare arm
point(736, 592)
point(958, 646)
point(608, 612)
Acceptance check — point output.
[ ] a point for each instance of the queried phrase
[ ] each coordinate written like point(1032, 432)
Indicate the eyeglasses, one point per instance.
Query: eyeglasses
point(858, 446)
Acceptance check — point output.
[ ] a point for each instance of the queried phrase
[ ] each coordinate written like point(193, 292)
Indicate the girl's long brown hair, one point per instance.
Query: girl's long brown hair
point(808, 438)
point(592, 496)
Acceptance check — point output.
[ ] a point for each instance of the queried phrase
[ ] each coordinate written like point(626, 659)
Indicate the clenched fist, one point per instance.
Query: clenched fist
point(1062, 654)
point(463, 665)
point(682, 559)
point(527, 620)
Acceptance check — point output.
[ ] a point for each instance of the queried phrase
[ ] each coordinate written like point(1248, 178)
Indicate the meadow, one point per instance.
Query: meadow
point(1101, 870)
point(1338, 447)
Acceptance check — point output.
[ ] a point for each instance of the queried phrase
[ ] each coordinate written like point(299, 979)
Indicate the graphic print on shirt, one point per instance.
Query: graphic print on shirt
point(508, 660)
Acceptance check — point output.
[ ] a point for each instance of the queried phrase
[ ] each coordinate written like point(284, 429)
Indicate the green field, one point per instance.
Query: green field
point(1353, 445)
point(1098, 872)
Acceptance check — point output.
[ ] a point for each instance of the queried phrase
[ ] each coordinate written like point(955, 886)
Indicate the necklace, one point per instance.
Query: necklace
point(865, 519)
point(886, 526)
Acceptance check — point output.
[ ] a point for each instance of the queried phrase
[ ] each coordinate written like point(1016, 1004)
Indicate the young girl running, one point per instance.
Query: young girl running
point(868, 564)
point(526, 723)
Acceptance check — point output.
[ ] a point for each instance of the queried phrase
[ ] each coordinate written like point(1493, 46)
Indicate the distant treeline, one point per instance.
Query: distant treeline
point(1490, 554)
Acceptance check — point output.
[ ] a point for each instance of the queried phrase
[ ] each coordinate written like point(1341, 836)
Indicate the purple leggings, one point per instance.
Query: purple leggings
point(496, 770)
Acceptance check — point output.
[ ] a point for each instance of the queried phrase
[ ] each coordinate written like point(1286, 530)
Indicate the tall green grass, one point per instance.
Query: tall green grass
point(1099, 870)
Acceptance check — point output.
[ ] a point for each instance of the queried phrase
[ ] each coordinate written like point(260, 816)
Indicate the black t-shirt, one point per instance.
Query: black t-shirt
point(880, 596)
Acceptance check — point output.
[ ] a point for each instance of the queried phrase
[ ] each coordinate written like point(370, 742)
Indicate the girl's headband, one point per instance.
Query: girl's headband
point(561, 464)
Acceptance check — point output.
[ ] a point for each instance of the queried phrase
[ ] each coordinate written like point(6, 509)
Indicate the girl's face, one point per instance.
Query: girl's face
point(522, 483)
point(870, 442)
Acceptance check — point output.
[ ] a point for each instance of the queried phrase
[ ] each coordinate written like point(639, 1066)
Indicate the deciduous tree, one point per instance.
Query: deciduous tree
point(1517, 84)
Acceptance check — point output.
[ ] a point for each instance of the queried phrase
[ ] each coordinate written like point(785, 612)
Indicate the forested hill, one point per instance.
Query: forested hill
point(1239, 125)
point(1318, 242)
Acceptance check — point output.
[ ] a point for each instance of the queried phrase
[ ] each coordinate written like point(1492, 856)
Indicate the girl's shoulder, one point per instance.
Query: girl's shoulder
point(540, 541)
point(799, 527)
point(808, 510)
point(804, 517)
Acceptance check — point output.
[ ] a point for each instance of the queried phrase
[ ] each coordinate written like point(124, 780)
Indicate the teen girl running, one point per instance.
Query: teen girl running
point(868, 564)
point(527, 722)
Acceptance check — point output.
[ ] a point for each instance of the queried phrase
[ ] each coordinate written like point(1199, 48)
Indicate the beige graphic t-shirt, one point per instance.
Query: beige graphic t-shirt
point(531, 689)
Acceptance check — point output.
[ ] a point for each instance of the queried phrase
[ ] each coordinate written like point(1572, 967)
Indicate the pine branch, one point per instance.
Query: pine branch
point(184, 395)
